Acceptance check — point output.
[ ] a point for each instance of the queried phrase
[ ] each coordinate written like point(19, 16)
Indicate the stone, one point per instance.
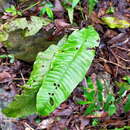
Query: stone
point(25, 38)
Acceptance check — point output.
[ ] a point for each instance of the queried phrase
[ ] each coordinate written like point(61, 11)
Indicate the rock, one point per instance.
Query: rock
point(24, 39)
point(26, 48)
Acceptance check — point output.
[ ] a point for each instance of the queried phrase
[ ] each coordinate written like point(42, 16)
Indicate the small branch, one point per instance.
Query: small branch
point(121, 66)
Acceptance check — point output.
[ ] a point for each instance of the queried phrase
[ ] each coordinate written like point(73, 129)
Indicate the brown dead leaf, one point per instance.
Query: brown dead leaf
point(4, 77)
point(1, 45)
point(58, 6)
point(110, 34)
point(64, 112)
point(108, 68)
point(60, 23)
point(95, 18)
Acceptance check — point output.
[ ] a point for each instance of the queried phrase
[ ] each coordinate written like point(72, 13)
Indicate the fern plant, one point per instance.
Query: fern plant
point(56, 73)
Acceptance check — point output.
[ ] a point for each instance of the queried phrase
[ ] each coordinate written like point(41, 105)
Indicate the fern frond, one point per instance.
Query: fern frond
point(68, 68)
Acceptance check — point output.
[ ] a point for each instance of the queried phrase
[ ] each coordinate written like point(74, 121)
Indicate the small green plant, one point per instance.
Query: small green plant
point(11, 57)
point(127, 78)
point(110, 10)
point(124, 87)
point(13, 11)
point(95, 122)
point(47, 8)
point(38, 120)
point(96, 100)
point(70, 5)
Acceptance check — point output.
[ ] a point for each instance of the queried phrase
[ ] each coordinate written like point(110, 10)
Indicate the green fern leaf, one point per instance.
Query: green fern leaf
point(25, 104)
point(68, 68)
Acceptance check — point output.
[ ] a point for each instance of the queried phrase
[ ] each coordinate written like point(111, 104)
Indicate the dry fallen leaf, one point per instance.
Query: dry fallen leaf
point(4, 77)
point(45, 123)
point(60, 23)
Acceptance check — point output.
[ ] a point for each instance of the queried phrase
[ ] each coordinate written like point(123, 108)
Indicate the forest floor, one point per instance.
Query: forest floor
point(112, 60)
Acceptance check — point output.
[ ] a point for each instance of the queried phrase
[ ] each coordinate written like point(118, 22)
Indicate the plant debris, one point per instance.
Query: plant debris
point(111, 19)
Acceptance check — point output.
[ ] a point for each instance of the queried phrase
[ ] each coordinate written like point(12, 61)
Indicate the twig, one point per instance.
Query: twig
point(120, 48)
point(121, 66)
point(19, 79)
point(31, 6)
point(123, 59)
point(116, 60)
point(22, 77)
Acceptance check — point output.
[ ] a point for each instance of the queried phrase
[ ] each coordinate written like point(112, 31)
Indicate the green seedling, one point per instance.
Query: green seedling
point(11, 57)
point(47, 8)
point(13, 11)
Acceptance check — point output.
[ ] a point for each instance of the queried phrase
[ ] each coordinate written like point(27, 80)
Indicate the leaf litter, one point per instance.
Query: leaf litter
point(113, 57)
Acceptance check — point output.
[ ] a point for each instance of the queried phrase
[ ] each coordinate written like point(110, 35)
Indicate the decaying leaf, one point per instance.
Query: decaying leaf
point(5, 77)
point(3, 36)
point(30, 27)
point(114, 22)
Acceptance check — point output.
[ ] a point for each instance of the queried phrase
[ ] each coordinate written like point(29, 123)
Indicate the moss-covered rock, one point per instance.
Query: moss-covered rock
point(24, 39)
